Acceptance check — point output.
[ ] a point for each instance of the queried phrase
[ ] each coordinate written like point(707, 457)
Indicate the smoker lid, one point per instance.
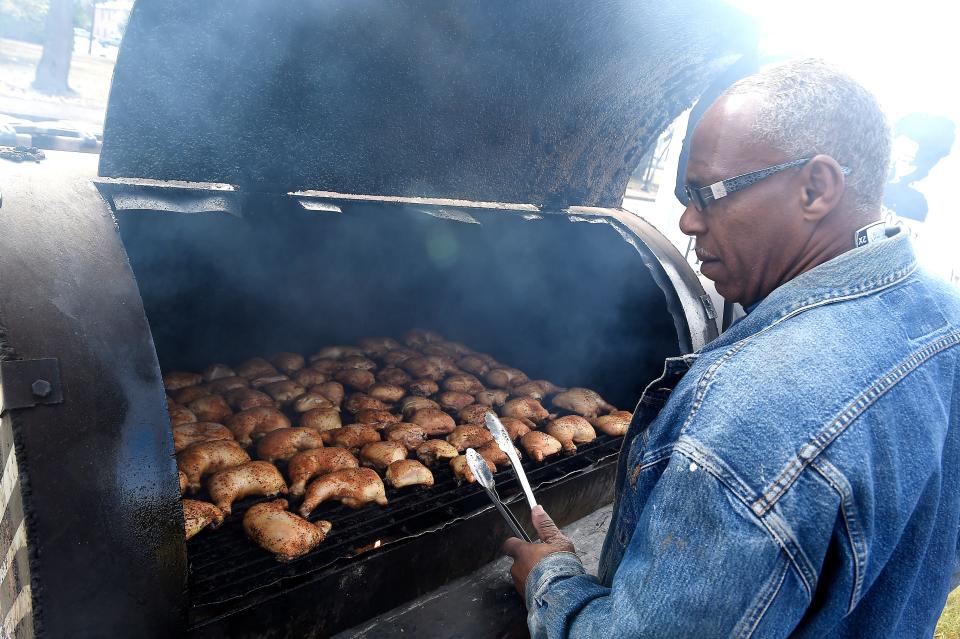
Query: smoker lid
point(481, 100)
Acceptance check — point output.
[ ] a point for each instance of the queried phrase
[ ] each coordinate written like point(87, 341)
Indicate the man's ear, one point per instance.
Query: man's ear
point(823, 187)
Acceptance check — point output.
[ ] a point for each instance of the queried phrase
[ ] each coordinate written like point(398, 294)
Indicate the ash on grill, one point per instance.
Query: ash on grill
point(365, 424)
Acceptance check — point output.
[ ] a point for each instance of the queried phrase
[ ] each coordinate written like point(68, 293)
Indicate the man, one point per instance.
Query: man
point(800, 475)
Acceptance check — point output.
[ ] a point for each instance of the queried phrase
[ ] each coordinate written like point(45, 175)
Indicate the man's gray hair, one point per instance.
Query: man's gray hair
point(809, 107)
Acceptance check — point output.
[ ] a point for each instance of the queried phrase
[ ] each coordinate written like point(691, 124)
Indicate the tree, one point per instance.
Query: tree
point(54, 66)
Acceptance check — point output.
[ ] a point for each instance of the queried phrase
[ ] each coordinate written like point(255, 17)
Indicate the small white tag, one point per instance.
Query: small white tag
point(718, 190)
point(870, 233)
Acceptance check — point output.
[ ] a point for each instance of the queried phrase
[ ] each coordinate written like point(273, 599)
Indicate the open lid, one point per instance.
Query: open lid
point(510, 101)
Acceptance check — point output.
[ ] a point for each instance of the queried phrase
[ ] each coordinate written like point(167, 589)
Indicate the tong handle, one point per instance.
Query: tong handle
point(509, 516)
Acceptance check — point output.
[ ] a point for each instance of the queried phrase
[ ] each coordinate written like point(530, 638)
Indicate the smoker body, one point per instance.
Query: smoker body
point(343, 186)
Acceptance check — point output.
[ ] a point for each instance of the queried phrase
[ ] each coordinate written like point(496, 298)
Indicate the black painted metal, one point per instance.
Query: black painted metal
point(104, 523)
point(27, 382)
point(498, 100)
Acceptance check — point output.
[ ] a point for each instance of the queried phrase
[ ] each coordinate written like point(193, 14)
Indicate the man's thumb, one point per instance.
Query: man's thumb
point(546, 529)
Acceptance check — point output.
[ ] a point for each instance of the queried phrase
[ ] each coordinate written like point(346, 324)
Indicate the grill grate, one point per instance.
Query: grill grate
point(227, 567)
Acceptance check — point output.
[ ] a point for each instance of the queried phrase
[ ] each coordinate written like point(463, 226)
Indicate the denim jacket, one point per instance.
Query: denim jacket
point(798, 476)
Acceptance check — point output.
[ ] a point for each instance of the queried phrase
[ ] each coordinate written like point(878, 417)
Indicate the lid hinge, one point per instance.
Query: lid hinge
point(24, 383)
point(708, 306)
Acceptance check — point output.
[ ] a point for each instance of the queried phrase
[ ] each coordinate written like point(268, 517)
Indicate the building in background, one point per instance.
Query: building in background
point(110, 19)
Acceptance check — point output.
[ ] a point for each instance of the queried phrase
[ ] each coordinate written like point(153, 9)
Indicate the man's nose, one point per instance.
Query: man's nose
point(692, 221)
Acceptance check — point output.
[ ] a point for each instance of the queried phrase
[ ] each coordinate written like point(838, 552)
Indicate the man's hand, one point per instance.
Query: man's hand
point(526, 556)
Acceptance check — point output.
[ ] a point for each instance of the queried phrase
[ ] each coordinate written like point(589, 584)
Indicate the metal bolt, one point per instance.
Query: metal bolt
point(41, 388)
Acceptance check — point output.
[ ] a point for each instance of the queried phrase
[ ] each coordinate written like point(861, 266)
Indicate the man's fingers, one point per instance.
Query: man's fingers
point(544, 525)
point(512, 546)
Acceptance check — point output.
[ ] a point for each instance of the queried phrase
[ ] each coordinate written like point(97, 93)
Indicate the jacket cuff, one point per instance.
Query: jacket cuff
point(552, 567)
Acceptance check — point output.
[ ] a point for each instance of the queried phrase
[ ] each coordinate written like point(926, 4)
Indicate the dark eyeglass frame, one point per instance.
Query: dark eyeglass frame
point(704, 195)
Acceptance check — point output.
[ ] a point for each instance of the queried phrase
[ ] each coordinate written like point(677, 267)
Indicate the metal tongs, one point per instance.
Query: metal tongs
point(502, 437)
point(478, 466)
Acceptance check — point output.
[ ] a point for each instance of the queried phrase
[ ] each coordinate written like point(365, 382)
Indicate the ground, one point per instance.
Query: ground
point(89, 78)
point(949, 626)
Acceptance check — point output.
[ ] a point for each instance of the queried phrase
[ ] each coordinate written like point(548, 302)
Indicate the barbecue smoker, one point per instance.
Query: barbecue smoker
point(282, 176)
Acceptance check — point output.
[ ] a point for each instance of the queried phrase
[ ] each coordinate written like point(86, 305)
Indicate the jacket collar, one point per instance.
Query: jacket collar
point(857, 272)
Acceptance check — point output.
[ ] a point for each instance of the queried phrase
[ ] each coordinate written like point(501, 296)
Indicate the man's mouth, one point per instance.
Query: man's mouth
point(705, 256)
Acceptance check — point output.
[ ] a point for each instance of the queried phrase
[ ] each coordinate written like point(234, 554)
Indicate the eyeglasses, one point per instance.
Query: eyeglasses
point(702, 196)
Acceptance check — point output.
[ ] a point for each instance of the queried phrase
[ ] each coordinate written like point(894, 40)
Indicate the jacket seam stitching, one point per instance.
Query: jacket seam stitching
point(756, 615)
point(704, 382)
point(789, 546)
point(849, 511)
point(813, 448)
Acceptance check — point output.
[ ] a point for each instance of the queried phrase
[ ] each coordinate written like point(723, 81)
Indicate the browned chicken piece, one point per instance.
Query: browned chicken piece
point(186, 395)
point(496, 397)
point(321, 419)
point(473, 364)
point(356, 378)
point(434, 450)
point(423, 367)
point(393, 375)
point(423, 387)
point(212, 408)
point(187, 434)
point(181, 415)
point(307, 377)
point(326, 366)
point(357, 362)
point(473, 414)
point(246, 398)
point(289, 363)
point(539, 446)
point(525, 408)
point(447, 364)
point(438, 350)
point(254, 423)
point(412, 403)
point(410, 435)
point(582, 401)
point(223, 385)
point(284, 392)
point(537, 389)
point(252, 478)
point(175, 380)
point(454, 401)
point(492, 453)
point(354, 487)
point(462, 471)
point(183, 481)
point(309, 401)
point(331, 390)
point(469, 436)
point(353, 437)
point(457, 348)
point(335, 352)
point(255, 367)
point(357, 402)
point(281, 532)
point(266, 380)
point(378, 416)
point(318, 461)
point(571, 430)
point(433, 421)
point(197, 515)
point(408, 472)
point(615, 424)
point(398, 356)
point(203, 458)
point(505, 377)
point(381, 454)
point(517, 427)
point(377, 346)
point(418, 338)
point(463, 383)
point(171, 404)
point(284, 443)
point(389, 393)
point(217, 371)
